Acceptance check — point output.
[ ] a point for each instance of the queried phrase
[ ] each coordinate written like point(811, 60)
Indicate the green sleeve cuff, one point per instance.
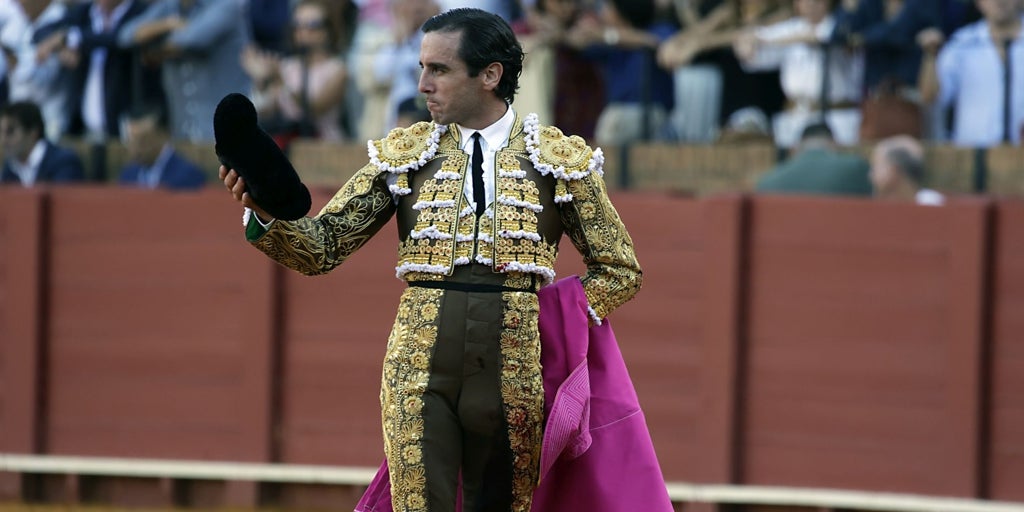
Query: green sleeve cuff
point(253, 230)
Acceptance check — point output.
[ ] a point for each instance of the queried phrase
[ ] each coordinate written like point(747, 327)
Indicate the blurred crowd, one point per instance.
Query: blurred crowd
point(150, 72)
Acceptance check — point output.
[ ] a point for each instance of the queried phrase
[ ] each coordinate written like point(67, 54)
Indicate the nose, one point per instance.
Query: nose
point(424, 83)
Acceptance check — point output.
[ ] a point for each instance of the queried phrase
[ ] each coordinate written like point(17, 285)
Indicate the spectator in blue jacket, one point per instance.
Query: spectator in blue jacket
point(888, 33)
point(29, 157)
point(106, 80)
point(153, 161)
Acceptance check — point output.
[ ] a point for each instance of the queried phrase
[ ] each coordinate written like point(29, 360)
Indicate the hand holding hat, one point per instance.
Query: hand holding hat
point(243, 146)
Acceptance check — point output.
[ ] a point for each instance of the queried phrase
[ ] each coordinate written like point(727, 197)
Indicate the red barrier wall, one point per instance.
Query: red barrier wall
point(157, 329)
point(782, 341)
point(1005, 411)
point(864, 340)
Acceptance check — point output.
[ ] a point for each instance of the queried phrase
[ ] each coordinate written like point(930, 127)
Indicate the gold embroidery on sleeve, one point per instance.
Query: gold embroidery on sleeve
point(319, 244)
point(591, 222)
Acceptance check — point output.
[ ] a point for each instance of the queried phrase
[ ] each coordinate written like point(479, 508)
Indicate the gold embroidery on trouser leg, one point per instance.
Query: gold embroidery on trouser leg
point(522, 391)
point(405, 377)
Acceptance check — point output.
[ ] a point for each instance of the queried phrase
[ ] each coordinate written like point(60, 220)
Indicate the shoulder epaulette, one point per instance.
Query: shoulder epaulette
point(405, 149)
point(560, 151)
point(553, 152)
point(567, 158)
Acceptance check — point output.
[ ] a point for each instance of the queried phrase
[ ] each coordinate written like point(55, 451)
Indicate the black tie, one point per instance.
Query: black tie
point(478, 175)
point(1007, 97)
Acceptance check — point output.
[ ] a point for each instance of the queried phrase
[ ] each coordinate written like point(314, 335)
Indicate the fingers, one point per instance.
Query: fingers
point(233, 182)
point(229, 177)
point(238, 189)
point(236, 185)
point(262, 214)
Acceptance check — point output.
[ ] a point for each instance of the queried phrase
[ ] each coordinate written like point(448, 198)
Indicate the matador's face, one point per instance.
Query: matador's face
point(453, 96)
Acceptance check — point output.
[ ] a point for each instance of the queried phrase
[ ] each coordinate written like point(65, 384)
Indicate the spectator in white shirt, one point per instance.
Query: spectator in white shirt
point(38, 75)
point(979, 74)
point(795, 47)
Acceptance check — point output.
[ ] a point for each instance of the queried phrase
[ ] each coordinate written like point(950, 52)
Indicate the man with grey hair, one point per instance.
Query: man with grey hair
point(897, 171)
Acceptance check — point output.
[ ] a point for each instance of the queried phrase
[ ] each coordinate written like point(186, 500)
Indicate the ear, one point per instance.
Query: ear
point(491, 75)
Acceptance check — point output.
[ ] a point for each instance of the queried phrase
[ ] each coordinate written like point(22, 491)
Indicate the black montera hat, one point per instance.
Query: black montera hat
point(243, 146)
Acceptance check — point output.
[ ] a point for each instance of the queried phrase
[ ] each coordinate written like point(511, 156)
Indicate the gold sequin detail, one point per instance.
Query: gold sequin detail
point(504, 234)
point(591, 222)
point(405, 377)
point(319, 244)
point(557, 149)
point(522, 391)
point(439, 252)
point(404, 145)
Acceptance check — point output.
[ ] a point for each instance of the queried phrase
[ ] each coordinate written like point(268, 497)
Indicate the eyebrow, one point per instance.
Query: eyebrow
point(434, 65)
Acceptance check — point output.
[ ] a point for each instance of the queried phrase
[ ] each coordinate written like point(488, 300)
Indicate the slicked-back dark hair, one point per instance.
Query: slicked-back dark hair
point(153, 111)
point(816, 129)
point(485, 38)
point(27, 115)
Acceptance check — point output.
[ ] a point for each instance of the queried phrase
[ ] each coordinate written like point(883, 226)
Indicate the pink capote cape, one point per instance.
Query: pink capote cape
point(597, 454)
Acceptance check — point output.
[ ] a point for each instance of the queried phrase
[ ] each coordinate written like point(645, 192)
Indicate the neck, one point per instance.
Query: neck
point(901, 191)
point(310, 50)
point(23, 157)
point(317, 55)
point(108, 9)
point(814, 20)
point(1005, 29)
point(488, 116)
point(816, 143)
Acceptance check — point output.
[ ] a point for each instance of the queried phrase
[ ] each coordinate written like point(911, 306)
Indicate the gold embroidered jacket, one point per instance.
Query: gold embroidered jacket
point(545, 184)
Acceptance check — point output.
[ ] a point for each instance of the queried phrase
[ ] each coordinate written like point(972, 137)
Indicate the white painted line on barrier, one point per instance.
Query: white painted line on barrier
point(678, 492)
point(833, 498)
point(198, 470)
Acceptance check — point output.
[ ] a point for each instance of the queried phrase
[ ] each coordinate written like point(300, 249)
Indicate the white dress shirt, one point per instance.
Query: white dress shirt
point(971, 80)
point(94, 102)
point(28, 171)
point(43, 83)
point(801, 68)
point(492, 139)
point(929, 197)
point(149, 177)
